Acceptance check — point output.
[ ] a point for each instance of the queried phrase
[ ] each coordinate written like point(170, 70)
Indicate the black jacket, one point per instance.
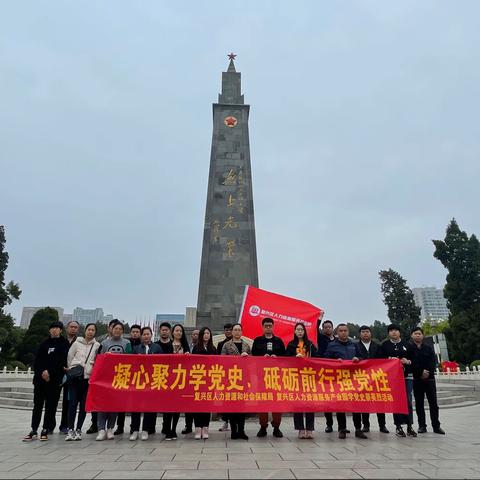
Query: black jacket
point(153, 348)
point(200, 350)
point(51, 356)
point(166, 347)
point(291, 350)
point(373, 352)
point(259, 347)
point(399, 350)
point(423, 358)
point(221, 344)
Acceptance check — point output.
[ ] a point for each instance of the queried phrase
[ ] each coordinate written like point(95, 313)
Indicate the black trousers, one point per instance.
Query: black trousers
point(189, 420)
point(171, 420)
point(304, 421)
point(148, 421)
point(237, 422)
point(77, 397)
point(428, 388)
point(342, 421)
point(201, 419)
point(380, 417)
point(65, 406)
point(329, 418)
point(45, 394)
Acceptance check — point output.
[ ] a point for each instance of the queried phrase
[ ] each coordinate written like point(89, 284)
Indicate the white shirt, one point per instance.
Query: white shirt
point(367, 345)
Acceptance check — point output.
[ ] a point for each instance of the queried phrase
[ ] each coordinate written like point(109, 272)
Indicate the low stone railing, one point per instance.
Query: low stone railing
point(471, 373)
point(16, 373)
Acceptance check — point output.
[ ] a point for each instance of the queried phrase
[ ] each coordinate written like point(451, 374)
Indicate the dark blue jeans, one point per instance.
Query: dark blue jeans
point(77, 397)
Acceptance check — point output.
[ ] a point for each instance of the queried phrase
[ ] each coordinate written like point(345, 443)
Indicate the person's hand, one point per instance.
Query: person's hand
point(187, 353)
point(266, 355)
point(355, 359)
point(406, 361)
point(46, 375)
point(340, 359)
point(273, 355)
point(425, 374)
point(245, 354)
point(299, 355)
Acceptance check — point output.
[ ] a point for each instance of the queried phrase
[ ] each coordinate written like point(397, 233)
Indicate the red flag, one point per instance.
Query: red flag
point(285, 311)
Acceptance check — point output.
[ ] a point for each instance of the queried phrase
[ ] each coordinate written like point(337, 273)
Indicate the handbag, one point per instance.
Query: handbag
point(77, 371)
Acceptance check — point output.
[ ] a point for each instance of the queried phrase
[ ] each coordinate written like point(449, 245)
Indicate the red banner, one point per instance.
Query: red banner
point(205, 383)
point(285, 311)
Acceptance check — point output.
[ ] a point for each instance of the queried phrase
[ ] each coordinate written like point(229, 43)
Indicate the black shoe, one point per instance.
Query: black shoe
point(399, 432)
point(169, 436)
point(118, 431)
point(174, 435)
point(365, 429)
point(44, 436)
point(384, 429)
point(342, 434)
point(277, 432)
point(92, 429)
point(262, 432)
point(186, 431)
point(31, 436)
point(411, 432)
point(347, 431)
point(328, 429)
point(439, 430)
point(360, 434)
point(422, 429)
point(242, 436)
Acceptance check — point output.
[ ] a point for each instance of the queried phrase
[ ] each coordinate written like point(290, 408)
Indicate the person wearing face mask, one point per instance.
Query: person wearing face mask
point(82, 352)
point(395, 347)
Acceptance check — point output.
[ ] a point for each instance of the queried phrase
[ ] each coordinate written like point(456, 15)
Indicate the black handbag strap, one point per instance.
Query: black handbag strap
point(86, 360)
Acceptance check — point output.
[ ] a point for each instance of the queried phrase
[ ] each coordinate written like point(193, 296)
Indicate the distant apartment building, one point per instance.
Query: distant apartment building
point(432, 303)
point(88, 315)
point(29, 312)
point(171, 318)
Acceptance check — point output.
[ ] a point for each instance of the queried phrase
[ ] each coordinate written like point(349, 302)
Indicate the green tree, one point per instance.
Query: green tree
point(460, 255)
point(379, 330)
point(399, 300)
point(8, 292)
point(353, 330)
point(37, 332)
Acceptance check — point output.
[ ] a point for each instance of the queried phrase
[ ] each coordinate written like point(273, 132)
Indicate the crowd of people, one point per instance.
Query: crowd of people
point(66, 363)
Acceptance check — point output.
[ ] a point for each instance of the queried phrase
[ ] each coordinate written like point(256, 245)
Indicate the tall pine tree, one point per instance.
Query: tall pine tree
point(460, 255)
point(399, 300)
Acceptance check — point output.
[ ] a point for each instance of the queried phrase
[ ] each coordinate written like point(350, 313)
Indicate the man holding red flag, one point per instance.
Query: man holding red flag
point(268, 345)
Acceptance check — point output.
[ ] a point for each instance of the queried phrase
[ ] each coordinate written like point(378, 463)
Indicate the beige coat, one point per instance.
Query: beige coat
point(78, 353)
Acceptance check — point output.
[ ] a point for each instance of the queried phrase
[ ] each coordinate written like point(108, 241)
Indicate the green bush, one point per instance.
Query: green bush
point(12, 364)
point(475, 363)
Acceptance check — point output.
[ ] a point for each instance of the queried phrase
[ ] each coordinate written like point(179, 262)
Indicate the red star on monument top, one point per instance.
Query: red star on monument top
point(231, 56)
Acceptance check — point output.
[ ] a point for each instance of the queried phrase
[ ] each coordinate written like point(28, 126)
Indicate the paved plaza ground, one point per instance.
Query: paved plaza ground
point(456, 455)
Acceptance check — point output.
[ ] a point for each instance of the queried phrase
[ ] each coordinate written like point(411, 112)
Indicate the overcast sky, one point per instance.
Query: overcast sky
point(364, 133)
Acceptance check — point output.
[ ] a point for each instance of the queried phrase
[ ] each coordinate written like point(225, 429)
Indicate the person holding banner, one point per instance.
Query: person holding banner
point(395, 347)
point(324, 337)
point(146, 347)
point(268, 345)
point(302, 347)
point(237, 346)
point(342, 348)
point(227, 331)
point(204, 346)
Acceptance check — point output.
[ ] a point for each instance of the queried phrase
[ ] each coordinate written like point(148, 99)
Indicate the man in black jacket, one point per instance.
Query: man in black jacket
point(268, 345)
point(49, 367)
point(324, 337)
point(368, 349)
point(395, 347)
point(424, 363)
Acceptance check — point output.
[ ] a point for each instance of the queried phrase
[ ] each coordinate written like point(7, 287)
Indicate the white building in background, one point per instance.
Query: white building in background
point(29, 312)
point(433, 304)
point(88, 315)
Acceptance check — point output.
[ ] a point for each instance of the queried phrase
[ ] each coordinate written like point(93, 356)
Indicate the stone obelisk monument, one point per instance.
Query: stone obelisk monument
point(229, 253)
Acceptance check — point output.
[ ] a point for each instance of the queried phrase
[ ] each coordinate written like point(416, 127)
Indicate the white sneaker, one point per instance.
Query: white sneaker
point(102, 435)
point(144, 436)
point(198, 433)
point(110, 435)
point(134, 436)
point(224, 427)
point(78, 435)
point(205, 432)
point(70, 436)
